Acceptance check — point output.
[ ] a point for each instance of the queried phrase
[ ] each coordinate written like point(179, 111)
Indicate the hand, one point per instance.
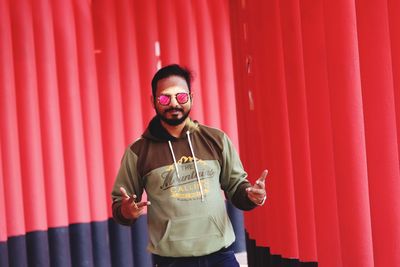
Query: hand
point(129, 208)
point(256, 193)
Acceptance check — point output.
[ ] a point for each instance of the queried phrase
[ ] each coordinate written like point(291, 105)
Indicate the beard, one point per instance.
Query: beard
point(173, 122)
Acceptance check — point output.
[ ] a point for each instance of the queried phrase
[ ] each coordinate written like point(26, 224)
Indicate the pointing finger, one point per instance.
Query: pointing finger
point(263, 176)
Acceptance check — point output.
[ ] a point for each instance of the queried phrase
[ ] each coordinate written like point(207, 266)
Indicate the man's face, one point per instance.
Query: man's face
point(174, 89)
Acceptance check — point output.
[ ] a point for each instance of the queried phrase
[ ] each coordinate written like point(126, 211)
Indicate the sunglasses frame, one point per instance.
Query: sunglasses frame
point(176, 97)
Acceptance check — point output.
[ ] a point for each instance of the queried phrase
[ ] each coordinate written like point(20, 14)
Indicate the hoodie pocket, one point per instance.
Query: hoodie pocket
point(190, 234)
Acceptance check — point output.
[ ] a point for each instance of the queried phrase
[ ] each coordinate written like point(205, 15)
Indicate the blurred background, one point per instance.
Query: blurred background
point(307, 89)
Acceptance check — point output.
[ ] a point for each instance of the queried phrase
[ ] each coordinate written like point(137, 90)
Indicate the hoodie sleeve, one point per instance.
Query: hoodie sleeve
point(128, 178)
point(233, 177)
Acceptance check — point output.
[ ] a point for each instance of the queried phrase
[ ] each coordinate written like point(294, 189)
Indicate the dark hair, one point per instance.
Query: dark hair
point(168, 71)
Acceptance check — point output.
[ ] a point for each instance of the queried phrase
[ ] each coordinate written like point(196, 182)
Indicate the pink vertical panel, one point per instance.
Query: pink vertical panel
point(348, 133)
point(286, 220)
point(50, 122)
point(131, 91)
point(394, 22)
point(109, 89)
point(320, 132)
point(239, 49)
point(188, 53)
point(15, 218)
point(71, 112)
point(28, 117)
point(98, 194)
point(380, 130)
point(207, 64)
point(300, 144)
point(219, 13)
point(259, 112)
point(168, 31)
point(146, 29)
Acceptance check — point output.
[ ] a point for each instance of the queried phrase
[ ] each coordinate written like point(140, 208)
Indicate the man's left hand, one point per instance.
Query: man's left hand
point(257, 193)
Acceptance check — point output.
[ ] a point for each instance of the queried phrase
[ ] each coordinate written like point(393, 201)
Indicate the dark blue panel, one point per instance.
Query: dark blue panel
point(236, 217)
point(81, 244)
point(38, 249)
point(17, 256)
point(100, 243)
point(3, 254)
point(60, 254)
point(120, 244)
point(261, 257)
point(139, 243)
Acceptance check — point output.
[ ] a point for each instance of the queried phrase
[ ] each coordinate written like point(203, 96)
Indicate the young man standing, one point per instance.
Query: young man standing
point(183, 165)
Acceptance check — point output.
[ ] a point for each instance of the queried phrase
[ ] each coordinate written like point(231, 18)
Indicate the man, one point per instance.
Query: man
point(183, 166)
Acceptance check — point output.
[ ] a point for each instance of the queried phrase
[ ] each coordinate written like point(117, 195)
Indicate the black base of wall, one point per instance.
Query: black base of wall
point(262, 257)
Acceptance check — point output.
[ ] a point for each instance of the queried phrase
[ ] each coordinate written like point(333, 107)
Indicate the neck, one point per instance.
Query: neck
point(174, 130)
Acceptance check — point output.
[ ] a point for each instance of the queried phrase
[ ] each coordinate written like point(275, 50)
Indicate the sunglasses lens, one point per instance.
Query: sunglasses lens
point(182, 98)
point(164, 99)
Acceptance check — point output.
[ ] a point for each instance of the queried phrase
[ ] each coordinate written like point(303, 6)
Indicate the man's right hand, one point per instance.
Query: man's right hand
point(129, 208)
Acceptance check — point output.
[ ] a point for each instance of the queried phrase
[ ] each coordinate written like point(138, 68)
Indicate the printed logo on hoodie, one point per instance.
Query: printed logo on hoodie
point(186, 186)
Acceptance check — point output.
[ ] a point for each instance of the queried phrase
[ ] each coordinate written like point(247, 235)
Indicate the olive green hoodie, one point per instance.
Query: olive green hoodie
point(183, 178)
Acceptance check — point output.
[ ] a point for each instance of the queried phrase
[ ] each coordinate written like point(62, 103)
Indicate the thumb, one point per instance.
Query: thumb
point(124, 193)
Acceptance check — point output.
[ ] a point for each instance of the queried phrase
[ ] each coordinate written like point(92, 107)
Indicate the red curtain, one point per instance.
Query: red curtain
point(74, 92)
point(309, 89)
point(317, 83)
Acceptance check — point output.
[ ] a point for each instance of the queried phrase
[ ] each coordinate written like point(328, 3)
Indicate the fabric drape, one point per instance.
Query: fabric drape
point(307, 89)
point(75, 91)
point(321, 88)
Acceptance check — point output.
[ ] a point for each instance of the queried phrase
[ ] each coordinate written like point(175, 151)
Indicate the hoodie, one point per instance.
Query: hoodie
point(183, 178)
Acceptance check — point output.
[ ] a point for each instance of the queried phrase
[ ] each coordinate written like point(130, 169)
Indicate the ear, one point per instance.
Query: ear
point(191, 98)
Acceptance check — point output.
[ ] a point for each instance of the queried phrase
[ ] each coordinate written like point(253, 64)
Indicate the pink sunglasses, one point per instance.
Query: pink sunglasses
point(181, 98)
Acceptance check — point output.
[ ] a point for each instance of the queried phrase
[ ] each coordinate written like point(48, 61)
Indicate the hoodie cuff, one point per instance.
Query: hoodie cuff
point(240, 199)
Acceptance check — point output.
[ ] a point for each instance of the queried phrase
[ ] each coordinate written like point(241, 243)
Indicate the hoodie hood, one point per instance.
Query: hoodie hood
point(156, 132)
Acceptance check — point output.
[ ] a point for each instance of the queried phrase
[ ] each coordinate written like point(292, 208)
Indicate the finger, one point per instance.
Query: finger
point(259, 184)
point(256, 196)
point(133, 202)
point(255, 191)
point(143, 204)
point(263, 176)
point(256, 199)
point(123, 192)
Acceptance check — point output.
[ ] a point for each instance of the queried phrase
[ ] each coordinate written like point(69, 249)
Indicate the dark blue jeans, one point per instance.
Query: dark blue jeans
point(222, 258)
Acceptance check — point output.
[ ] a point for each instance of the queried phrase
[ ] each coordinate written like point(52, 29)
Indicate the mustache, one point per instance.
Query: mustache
point(173, 109)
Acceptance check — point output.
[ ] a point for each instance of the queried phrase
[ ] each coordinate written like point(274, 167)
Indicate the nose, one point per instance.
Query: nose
point(174, 102)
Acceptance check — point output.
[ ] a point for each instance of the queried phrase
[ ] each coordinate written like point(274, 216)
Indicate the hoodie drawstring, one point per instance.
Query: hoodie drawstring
point(194, 160)
point(173, 156)
point(195, 166)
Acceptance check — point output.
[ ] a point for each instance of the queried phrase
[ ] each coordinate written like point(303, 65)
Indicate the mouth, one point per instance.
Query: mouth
point(174, 111)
